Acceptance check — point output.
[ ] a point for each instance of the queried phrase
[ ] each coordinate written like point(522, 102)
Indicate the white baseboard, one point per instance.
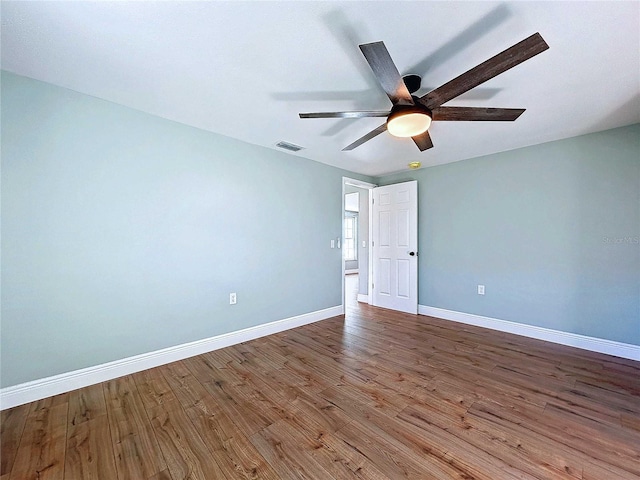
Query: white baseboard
point(351, 270)
point(601, 345)
point(363, 298)
point(65, 382)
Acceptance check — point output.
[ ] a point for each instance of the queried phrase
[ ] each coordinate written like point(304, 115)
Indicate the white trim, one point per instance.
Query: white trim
point(370, 251)
point(350, 271)
point(601, 345)
point(358, 183)
point(363, 298)
point(65, 382)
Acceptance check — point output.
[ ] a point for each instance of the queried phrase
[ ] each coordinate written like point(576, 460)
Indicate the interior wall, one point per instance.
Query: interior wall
point(551, 230)
point(124, 233)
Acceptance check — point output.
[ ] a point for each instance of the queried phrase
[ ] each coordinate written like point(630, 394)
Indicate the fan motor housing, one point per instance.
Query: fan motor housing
point(412, 82)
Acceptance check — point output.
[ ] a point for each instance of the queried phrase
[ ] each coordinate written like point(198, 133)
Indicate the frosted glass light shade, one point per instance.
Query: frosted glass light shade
point(408, 123)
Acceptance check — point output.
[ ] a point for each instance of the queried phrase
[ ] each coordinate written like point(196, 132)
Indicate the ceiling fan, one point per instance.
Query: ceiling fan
point(411, 116)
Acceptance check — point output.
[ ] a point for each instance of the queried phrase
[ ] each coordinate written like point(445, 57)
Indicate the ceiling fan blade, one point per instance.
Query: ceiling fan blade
point(366, 138)
point(496, 65)
point(386, 72)
point(354, 114)
point(423, 141)
point(476, 114)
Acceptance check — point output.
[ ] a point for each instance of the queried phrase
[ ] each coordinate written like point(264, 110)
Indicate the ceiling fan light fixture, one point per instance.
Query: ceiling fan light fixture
point(408, 121)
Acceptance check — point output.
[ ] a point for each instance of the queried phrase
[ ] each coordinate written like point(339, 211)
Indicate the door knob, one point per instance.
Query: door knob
point(413, 254)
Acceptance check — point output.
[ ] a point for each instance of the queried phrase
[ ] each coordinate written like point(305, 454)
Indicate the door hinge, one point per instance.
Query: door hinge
point(373, 244)
point(373, 285)
point(373, 200)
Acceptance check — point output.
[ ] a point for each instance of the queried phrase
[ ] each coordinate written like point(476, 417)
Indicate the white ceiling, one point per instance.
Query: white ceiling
point(246, 69)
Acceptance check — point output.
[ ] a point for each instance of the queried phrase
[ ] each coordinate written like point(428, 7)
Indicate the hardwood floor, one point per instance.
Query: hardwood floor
point(378, 394)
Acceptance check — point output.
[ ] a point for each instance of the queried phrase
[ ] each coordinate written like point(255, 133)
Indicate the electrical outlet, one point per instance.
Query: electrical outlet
point(480, 289)
point(232, 299)
point(333, 244)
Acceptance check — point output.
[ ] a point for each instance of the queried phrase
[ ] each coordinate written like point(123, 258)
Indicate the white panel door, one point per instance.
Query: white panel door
point(395, 247)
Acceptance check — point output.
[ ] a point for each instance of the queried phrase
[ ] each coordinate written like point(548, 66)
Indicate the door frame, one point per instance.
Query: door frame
point(369, 187)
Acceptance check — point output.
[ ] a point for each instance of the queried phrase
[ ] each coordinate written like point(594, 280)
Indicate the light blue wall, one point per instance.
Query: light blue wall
point(551, 230)
point(123, 233)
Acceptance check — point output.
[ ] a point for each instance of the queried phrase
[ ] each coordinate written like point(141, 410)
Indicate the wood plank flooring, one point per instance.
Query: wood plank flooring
point(373, 395)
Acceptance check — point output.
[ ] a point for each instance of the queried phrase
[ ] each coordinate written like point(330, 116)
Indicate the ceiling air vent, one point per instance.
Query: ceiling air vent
point(289, 146)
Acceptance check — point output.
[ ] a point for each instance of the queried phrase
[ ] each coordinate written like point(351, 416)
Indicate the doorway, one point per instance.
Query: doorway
point(356, 231)
point(390, 245)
